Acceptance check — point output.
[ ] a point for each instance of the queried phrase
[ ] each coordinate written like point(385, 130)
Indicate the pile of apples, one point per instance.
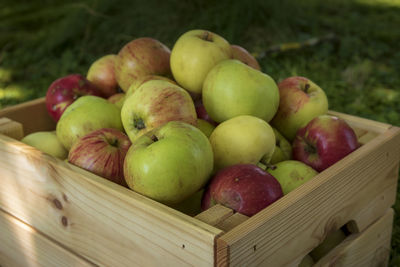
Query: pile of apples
point(194, 126)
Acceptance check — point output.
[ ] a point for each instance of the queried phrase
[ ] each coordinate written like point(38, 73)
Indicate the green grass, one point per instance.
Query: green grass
point(42, 41)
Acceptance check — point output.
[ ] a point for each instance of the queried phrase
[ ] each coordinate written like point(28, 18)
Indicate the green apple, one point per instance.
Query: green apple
point(192, 205)
point(46, 142)
point(301, 100)
point(291, 174)
point(169, 163)
point(154, 103)
point(86, 114)
point(232, 88)
point(332, 240)
point(193, 56)
point(206, 127)
point(242, 139)
point(283, 149)
point(307, 261)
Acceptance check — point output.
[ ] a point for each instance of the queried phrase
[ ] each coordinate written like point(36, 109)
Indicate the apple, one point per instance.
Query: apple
point(324, 141)
point(192, 205)
point(194, 54)
point(101, 73)
point(86, 114)
point(202, 112)
point(245, 188)
point(65, 90)
point(141, 57)
point(291, 174)
point(169, 163)
point(240, 53)
point(307, 261)
point(102, 152)
point(232, 88)
point(301, 100)
point(117, 99)
point(154, 103)
point(242, 139)
point(283, 149)
point(47, 142)
point(332, 240)
point(206, 127)
point(137, 83)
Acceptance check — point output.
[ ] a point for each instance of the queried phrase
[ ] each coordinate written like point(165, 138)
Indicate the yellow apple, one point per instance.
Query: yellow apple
point(46, 142)
point(242, 139)
point(194, 54)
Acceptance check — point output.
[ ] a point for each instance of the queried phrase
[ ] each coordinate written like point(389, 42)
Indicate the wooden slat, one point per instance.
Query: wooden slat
point(283, 233)
point(32, 115)
point(215, 214)
point(22, 245)
point(102, 221)
point(231, 222)
point(368, 248)
point(362, 123)
point(11, 128)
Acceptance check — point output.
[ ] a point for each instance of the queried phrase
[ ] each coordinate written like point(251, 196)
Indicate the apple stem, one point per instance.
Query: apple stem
point(306, 87)
point(206, 36)
point(154, 138)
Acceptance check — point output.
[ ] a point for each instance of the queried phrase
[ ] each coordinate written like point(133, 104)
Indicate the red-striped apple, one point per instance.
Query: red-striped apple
point(102, 74)
point(154, 103)
point(141, 57)
point(102, 152)
point(301, 100)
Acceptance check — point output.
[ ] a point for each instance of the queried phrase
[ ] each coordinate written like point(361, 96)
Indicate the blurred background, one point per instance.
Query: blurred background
point(349, 48)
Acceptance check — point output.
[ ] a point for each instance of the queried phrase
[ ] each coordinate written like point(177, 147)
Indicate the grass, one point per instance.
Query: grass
point(42, 41)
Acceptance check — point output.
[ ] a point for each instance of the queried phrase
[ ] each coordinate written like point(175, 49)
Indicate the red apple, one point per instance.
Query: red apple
point(141, 57)
point(202, 113)
point(64, 91)
point(102, 152)
point(240, 53)
point(245, 188)
point(102, 74)
point(323, 141)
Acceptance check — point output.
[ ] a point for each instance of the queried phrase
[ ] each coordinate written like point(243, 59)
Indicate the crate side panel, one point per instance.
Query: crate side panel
point(368, 248)
point(22, 245)
point(104, 222)
point(32, 115)
point(291, 227)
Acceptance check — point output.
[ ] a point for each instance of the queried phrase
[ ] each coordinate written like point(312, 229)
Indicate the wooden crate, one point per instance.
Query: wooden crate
point(54, 214)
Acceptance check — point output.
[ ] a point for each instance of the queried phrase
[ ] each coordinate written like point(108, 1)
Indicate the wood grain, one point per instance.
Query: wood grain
point(284, 232)
point(22, 245)
point(102, 221)
point(368, 248)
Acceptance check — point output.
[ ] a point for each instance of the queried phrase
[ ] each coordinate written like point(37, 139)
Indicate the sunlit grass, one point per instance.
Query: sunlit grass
point(12, 92)
point(388, 3)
